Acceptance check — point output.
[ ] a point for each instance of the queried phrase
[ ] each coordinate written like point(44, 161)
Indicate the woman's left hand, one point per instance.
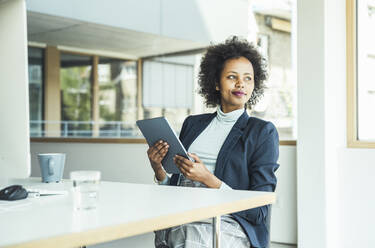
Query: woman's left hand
point(196, 171)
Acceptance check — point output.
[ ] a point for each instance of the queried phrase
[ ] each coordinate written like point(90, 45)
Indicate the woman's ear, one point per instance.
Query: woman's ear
point(217, 87)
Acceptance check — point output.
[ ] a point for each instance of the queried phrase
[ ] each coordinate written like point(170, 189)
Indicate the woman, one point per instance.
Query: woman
point(231, 150)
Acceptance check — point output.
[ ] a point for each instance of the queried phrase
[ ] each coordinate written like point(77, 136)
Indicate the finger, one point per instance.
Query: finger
point(184, 161)
point(160, 145)
point(158, 148)
point(151, 150)
point(187, 170)
point(152, 153)
point(163, 152)
point(158, 142)
point(157, 157)
point(155, 145)
point(183, 170)
point(195, 157)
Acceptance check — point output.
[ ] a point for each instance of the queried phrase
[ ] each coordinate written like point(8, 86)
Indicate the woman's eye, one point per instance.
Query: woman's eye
point(247, 78)
point(231, 77)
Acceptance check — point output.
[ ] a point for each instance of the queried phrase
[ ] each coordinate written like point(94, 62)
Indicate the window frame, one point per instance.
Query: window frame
point(352, 78)
point(95, 61)
point(94, 91)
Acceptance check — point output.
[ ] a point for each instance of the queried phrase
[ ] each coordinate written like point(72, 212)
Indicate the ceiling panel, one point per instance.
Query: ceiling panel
point(59, 31)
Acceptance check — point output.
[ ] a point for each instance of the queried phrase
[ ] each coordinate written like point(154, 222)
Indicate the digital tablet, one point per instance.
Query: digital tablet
point(156, 129)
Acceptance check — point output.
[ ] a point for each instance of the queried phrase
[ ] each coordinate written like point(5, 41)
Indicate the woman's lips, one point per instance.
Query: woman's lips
point(238, 93)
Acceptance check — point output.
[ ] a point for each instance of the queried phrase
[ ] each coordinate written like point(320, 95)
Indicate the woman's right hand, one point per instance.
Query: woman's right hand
point(156, 153)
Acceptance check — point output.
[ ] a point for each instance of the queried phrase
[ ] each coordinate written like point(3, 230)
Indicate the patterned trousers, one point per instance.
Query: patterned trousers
point(199, 234)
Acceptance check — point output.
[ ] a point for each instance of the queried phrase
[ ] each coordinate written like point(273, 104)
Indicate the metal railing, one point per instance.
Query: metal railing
point(85, 129)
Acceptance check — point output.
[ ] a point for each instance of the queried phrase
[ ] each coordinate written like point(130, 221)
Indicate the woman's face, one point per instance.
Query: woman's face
point(236, 84)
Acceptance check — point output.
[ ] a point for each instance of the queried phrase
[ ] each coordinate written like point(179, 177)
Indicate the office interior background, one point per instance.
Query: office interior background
point(95, 67)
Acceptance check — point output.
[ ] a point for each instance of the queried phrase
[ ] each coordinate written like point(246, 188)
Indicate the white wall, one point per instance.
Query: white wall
point(14, 91)
point(117, 162)
point(129, 163)
point(335, 198)
point(357, 201)
point(284, 211)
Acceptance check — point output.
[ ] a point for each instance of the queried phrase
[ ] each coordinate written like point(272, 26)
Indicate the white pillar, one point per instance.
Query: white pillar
point(14, 91)
point(311, 125)
point(321, 119)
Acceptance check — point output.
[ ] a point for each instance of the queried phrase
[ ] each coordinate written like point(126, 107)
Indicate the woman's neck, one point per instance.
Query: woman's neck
point(227, 109)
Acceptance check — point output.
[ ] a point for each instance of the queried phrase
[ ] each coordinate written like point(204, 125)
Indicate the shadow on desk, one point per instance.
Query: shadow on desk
point(140, 241)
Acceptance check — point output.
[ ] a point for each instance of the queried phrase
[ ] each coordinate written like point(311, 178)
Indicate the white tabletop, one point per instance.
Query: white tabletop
point(124, 210)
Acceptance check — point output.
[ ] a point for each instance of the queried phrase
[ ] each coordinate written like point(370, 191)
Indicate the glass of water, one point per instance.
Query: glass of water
point(85, 189)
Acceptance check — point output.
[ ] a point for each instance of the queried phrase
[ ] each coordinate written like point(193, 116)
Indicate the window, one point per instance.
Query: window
point(168, 88)
point(98, 96)
point(76, 95)
point(117, 98)
point(360, 67)
point(36, 58)
point(90, 96)
point(274, 39)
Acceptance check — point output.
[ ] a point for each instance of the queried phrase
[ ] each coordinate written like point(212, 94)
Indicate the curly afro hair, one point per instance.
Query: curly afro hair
point(213, 62)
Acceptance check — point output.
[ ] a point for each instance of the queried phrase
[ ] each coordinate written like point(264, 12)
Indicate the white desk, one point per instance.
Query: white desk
point(124, 210)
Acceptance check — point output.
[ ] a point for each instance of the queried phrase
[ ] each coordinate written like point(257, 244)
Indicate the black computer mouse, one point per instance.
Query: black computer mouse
point(13, 192)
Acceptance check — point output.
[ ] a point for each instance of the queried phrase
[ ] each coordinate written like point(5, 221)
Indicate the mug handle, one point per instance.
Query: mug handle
point(50, 166)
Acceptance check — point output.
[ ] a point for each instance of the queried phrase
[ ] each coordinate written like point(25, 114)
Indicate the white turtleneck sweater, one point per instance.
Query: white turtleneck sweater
point(208, 144)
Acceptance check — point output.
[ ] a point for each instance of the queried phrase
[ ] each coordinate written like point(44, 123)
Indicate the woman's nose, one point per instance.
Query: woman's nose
point(239, 83)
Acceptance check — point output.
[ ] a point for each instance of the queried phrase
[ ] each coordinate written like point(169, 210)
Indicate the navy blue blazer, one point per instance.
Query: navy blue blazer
point(246, 161)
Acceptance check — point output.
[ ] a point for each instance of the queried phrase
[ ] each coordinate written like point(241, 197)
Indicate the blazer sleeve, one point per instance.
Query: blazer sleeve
point(262, 167)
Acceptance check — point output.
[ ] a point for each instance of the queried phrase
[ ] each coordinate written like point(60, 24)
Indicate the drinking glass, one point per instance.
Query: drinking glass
point(85, 189)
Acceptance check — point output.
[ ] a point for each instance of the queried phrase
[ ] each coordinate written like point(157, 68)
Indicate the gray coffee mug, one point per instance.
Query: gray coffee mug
point(51, 166)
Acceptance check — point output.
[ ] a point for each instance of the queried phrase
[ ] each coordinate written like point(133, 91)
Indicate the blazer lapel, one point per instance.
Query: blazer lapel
point(233, 137)
point(191, 134)
point(196, 129)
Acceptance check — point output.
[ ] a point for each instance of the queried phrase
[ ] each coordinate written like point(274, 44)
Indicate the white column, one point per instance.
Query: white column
point(311, 198)
point(14, 91)
point(321, 114)
point(335, 112)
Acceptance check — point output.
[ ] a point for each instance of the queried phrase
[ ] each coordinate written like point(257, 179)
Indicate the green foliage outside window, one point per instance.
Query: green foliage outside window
point(76, 96)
